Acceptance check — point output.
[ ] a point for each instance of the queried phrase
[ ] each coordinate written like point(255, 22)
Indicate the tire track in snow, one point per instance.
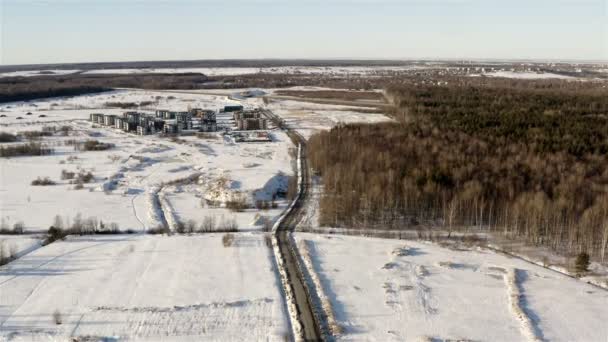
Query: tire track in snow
point(143, 225)
point(517, 303)
point(39, 284)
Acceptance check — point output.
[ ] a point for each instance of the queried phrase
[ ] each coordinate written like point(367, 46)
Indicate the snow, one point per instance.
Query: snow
point(19, 245)
point(358, 70)
point(142, 288)
point(134, 170)
point(525, 75)
point(407, 290)
point(310, 118)
point(32, 73)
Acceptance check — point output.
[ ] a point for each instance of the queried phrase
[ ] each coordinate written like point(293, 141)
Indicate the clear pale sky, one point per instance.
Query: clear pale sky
point(125, 30)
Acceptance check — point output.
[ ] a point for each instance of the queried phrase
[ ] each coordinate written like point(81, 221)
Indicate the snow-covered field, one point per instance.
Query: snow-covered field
point(267, 70)
point(524, 75)
point(408, 291)
point(14, 246)
point(129, 176)
point(310, 118)
point(144, 288)
point(32, 73)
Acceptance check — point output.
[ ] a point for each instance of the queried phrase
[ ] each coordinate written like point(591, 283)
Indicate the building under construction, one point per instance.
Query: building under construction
point(250, 120)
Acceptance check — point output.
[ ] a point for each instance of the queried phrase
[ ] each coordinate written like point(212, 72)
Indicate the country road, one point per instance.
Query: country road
point(311, 328)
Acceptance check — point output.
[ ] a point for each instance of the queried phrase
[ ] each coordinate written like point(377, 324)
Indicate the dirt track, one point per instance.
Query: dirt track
point(311, 328)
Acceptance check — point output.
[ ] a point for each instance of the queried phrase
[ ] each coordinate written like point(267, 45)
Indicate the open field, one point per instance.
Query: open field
point(408, 291)
point(144, 288)
point(129, 176)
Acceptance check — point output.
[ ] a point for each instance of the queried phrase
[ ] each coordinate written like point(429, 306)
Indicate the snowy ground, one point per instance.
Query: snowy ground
point(130, 175)
point(14, 246)
point(144, 288)
point(38, 73)
point(406, 290)
point(310, 118)
point(365, 71)
point(524, 75)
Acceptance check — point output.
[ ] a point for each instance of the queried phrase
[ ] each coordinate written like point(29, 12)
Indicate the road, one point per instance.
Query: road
point(310, 325)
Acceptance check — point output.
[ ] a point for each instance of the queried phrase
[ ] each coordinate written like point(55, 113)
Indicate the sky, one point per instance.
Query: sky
point(62, 31)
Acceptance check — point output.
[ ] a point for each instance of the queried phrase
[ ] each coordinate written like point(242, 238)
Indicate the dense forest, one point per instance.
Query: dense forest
point(28, 88)
point(527, 161)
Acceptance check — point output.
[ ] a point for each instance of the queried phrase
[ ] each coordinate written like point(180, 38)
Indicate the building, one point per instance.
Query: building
point(163, 114)
point(184, 120)
point(96, 118)
point(233, 108)
point(132, 117)
point(171, 128)
point(118, 122)
point(251, 124)
point(208, 126)
point(109, 119)
point(145, 130)
point(250, 120)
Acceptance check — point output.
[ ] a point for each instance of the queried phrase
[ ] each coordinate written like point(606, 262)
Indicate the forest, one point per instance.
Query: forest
point(527, 161)
point(29, 88)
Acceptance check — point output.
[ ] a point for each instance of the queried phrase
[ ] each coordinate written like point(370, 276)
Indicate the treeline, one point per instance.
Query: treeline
point(526, 162)
point(28, 88)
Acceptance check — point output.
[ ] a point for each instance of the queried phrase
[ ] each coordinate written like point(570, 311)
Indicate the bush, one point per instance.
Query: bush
point(35, 135)
point(581, 263)
point(180, 227)
point(53, 235)
point(90, 145)
point(7, 137)
point(239, 204)
point(208, 224)
point(262, 205)
point(160, 229)
point(65, 175)
point(227, 240)
point(18, 227)
point(43, 181)
point(228, 225)
point(190, 226)
point(29, 149)
point(57, 317)
point(206, 136)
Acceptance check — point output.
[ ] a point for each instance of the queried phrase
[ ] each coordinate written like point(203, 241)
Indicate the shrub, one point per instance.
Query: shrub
point(35, 135)
point(228, 225)
point(208, 224)
point(54, 234)
point(160, 229)
point(581, 263)
point(43, 181)
point(206, 136)
point(262, 205)
point(7, 137)
point(29, 149)
point(91, 145)
point(67, 175)
point(227, 240)
point(238, 204)
point(190, 226)
point(57, 317)
point(18, 227)
point(180, 227)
